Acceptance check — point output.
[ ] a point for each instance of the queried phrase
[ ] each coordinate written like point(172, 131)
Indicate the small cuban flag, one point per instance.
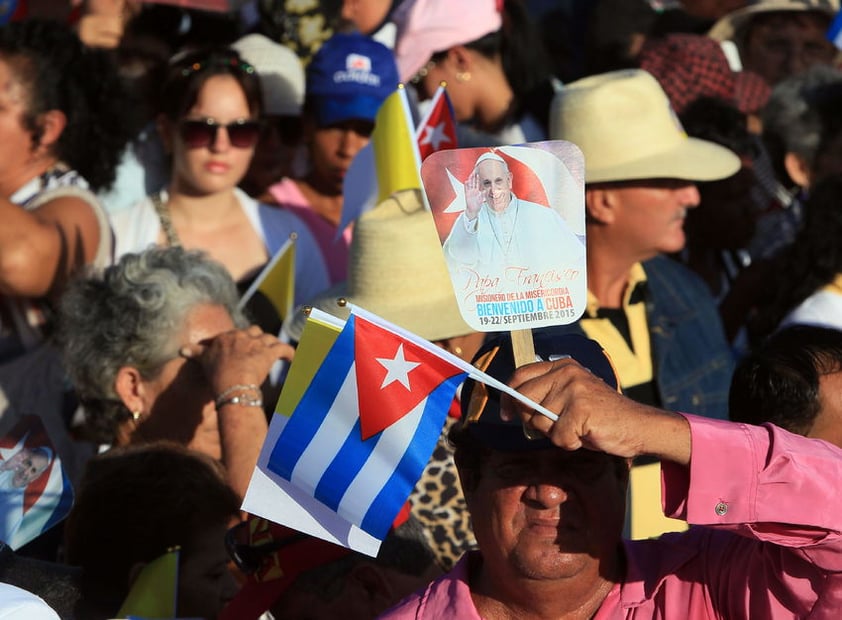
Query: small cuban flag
point(366, 426)
point(35, 491)
point(358, 418)
point(437, 130)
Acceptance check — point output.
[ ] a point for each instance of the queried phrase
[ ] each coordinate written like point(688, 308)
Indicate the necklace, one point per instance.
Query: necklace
point(166, 222)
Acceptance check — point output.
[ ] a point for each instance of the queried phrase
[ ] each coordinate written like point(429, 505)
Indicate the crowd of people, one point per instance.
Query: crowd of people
point(155, 158)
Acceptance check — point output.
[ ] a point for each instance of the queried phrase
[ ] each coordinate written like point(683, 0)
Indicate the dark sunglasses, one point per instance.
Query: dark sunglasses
point(249, 558)
point(201, 133)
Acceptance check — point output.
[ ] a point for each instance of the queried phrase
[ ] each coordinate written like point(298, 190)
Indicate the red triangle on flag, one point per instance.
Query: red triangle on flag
point(393, 375)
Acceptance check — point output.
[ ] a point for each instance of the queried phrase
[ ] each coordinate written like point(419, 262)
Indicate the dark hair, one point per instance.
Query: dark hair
point(60, 73)
point(717, 120)
point(136, 502)
point(188, 73)
point(525, 61)
point(779, 381)
point(405, 550)
point(810, 262)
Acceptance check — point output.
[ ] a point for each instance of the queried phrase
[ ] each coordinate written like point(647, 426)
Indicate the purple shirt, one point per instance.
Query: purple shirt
point(771, 549)
point(334, 250)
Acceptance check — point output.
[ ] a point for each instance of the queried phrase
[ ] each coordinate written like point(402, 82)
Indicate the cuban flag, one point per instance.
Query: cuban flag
point(35, 492)
point(367, 424)
point(356, 422)
point(437, 130)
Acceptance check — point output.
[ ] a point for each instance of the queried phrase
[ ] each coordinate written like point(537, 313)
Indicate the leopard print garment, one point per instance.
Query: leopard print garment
point(437, 502)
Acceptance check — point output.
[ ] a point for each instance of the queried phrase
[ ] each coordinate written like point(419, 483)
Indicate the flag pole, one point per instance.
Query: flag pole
point(523, 349)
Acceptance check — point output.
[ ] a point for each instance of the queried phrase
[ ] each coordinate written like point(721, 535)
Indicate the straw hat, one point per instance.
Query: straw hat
point(396, 270)
point(625, 126)
point(728, 27)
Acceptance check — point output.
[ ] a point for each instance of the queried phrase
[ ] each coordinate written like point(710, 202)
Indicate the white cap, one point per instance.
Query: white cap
point(280, 71)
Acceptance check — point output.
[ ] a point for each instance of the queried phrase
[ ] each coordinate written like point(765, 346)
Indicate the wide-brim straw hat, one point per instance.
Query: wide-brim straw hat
point(625, 126)
point(396, 270)
point(729, 27)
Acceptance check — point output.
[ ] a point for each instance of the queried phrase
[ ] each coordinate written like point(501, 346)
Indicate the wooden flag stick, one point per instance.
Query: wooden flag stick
point(523, 347)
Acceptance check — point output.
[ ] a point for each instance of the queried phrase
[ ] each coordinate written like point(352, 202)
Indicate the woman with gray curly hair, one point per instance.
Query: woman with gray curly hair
point(157, 349)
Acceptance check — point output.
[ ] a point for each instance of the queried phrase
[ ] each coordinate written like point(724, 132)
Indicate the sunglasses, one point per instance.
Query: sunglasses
point(248, 557)
point(201, 133)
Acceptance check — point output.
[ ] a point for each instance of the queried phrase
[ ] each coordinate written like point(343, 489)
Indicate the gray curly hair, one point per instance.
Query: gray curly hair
point(792, 122)
point(130, 316)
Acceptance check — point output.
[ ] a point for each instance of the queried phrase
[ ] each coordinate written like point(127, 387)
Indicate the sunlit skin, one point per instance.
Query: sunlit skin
point(543, 518)
point(828, 423)
point(366, 15)
point(19, 158)
point(220, 166)
point(204, 209)
point(650, 215)
point(181, 386)
point(331, 150)
point(629, 222)
point(476, 85)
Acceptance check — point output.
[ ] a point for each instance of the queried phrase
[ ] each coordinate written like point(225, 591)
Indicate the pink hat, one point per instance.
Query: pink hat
point(425, 27)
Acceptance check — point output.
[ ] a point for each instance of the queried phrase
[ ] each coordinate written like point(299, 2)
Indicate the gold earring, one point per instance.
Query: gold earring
point(136, 415)
point(463, 76)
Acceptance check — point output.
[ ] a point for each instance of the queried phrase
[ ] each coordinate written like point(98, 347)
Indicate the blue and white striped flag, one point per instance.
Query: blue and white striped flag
point(366, 425)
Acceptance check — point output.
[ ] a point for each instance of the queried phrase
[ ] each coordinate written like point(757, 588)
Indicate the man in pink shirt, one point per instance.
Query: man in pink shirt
point(548, 512)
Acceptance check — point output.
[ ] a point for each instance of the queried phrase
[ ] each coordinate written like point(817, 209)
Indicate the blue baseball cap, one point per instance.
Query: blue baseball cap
point(481, 403)
point(349, 78)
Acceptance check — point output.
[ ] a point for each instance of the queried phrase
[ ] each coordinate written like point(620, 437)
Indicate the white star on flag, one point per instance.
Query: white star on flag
point(397, 369)
point(458, 203)
point(435, 135)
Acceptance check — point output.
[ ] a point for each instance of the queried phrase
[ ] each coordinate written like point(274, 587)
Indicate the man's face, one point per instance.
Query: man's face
point(779, 45)
point(495, 182)
point(332, 148)
point(548, 514)
point(33, 464)
point(649, 215)
point(828, 422)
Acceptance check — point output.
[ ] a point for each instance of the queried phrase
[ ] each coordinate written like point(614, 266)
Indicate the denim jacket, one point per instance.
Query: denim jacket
point(691, 359)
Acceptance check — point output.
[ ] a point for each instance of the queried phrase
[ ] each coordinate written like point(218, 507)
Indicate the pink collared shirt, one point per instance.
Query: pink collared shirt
point(767, 545)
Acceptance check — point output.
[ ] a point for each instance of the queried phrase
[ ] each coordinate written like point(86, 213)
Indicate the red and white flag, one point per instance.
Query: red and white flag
point(437, 130)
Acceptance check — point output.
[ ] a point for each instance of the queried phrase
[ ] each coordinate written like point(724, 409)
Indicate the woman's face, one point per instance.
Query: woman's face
point(16, 152)
point(218, 163)
point(179, 399)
